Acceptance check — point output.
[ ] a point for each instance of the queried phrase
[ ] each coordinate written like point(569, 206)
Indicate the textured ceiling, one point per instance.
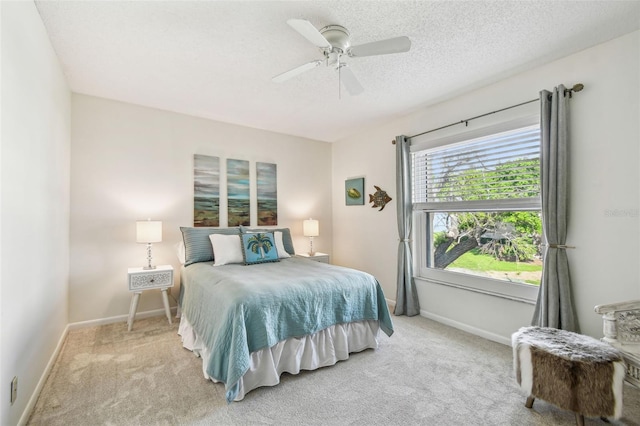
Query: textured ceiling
point(215, 59)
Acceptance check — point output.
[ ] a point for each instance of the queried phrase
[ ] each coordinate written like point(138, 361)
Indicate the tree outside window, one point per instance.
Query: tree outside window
point(481, 199)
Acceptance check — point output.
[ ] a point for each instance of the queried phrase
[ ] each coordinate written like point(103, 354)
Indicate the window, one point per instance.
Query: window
point(477, 208)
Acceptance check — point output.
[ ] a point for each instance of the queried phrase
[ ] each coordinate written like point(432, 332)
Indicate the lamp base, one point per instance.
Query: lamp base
point(311, 252)
point(149, 258)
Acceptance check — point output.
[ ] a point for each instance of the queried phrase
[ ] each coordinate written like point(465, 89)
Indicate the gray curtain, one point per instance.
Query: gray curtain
point(407, 296)
point(554, 307)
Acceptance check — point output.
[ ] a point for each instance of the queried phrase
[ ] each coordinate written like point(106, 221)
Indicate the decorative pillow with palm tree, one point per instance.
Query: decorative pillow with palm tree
point(259, 247)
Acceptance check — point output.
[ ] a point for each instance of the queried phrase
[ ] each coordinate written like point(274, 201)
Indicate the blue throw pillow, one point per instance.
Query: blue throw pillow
point(286, 236)
point(259, 247)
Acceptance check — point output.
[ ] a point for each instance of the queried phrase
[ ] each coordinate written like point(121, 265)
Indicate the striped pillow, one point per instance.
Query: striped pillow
point(197, 245)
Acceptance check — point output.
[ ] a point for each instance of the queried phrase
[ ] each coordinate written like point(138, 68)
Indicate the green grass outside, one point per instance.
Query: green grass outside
point(476, 261)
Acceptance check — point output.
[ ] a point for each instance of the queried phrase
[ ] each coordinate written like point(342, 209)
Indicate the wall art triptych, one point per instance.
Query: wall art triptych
point(206, 194)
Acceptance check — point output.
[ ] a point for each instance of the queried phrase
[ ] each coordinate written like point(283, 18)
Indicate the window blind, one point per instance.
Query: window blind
point(501, 169)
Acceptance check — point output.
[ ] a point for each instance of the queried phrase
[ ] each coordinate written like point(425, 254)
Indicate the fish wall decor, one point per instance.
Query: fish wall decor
point(379, 198)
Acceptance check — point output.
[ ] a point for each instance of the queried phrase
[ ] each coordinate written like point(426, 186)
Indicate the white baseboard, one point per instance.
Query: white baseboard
point(465, 327)
point(43, 378)
point(118, 318)
point(391, 304)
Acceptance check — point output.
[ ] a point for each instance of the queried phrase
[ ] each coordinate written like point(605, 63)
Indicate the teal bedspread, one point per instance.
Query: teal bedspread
point(238, 309)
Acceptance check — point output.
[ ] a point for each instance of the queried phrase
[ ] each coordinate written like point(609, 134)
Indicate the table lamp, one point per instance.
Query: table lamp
point(149, 231)
point(311, 228)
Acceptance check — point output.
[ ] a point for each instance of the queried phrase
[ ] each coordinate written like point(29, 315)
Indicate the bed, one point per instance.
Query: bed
point(250, 321)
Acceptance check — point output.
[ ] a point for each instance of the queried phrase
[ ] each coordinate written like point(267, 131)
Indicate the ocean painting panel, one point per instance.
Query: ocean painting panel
point(266, 176)
point(206, 190)
point(239, 205)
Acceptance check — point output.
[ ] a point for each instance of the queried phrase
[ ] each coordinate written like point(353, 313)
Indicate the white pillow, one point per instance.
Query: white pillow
point(226, 249)
point(282, 253)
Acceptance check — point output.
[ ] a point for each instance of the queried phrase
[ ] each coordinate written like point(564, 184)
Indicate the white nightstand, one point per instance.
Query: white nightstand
point(141, 279)
point(318, 257)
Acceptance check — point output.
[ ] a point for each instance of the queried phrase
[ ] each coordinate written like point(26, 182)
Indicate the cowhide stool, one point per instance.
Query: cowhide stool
point(569, 370)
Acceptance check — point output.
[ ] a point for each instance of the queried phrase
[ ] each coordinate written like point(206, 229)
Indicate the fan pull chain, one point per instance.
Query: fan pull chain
point(339, 82)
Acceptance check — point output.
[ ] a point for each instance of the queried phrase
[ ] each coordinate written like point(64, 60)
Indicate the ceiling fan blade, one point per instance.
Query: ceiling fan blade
point(296, 71)
point(382, 47)
point(308, 31)
point(349, 81)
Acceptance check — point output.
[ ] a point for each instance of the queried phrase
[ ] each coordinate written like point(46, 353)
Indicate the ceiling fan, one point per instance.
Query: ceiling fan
point(333, 41)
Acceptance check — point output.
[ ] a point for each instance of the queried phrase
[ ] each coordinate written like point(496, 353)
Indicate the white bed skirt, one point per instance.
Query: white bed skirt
point(311, 352)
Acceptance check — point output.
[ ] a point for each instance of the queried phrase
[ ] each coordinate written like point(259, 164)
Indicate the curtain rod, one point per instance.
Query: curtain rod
point(576, 88)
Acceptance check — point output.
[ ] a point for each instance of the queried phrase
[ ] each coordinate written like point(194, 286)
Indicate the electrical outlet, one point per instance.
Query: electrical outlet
point(14, 389)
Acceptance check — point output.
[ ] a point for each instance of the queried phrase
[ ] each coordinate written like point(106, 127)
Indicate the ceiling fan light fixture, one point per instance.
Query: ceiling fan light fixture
point(333, 41)
point(333, 59)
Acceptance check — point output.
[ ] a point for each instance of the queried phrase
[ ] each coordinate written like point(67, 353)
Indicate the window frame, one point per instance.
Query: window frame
point(422, 218)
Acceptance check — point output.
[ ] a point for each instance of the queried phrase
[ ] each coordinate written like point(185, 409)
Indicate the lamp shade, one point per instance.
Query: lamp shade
point(148, 231)
point(310, 228)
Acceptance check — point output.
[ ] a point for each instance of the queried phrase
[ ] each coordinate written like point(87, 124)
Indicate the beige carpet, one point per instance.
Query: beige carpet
point(426, 373)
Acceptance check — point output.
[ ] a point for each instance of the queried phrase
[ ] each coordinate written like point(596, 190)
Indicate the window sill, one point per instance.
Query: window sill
point(523, 293)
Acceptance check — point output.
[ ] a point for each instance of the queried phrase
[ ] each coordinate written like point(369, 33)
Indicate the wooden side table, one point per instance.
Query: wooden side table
point(141, 279)
point(317, 256)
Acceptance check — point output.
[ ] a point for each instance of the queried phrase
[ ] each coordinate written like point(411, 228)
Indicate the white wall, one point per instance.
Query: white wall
point(364, 237)
point(34, 212)
point(130, 162)
point(604, 222)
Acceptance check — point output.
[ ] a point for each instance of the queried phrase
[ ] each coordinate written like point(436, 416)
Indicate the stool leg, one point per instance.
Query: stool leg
point(529, 402)
point(579, 419)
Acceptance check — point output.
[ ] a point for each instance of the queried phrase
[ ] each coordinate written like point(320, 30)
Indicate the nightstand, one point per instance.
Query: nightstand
point(141, 279)
point(318, 257)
